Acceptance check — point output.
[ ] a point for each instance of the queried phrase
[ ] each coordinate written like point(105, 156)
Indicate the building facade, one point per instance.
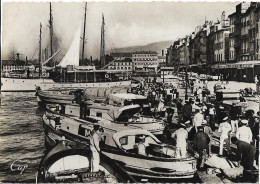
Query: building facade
point(145, 61)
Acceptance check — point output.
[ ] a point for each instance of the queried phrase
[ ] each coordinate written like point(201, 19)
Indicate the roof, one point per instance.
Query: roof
point(13, 62)
point(145, 52)
point(123, 60)
point(122, 54)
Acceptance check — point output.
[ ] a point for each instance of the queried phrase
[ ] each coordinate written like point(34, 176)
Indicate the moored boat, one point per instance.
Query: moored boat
point(66, 164)
point(124, 115)
point(119, 143)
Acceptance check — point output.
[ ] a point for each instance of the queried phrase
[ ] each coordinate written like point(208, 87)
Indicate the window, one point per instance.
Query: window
point(123, 141)
point(99, 114)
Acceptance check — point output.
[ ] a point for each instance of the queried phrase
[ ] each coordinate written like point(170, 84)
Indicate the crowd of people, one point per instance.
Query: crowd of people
point(198, 119)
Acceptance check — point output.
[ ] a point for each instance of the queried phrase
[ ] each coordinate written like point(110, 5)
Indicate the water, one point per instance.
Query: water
point(21, 137)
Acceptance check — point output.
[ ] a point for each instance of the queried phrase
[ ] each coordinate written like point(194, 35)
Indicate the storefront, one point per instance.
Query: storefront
point(245, 71)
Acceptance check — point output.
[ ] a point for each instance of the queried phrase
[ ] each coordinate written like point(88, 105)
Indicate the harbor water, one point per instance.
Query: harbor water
point(21, 137)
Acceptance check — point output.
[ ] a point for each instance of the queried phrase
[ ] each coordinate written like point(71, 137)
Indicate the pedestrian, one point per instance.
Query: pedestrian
point(191, 86)
point(201, 145)
point(95, 137)
point(234, 112)
point(212, 114)
point(198, 118)
point(181, 136)
point(224, 129)
point(187, 111)
point(221, 114)
point(208, 131)
point(200, 93)
point(245, 156)
point(256, 137)
point(244, 133)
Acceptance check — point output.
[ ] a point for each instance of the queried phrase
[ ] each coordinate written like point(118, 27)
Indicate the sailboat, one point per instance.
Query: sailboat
point(68, 73)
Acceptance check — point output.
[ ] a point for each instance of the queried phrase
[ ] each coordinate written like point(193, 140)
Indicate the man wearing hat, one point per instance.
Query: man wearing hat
point(94, 147)
point(201, 145)
point(187, 110)
point(224, 129)
point(198, 118)
point(141, 146)
point(244, 133)
point(181, 136)
point(245, 156)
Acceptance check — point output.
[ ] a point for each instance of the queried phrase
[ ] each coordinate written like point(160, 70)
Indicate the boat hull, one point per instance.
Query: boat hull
point(63, 164)
point(55, 86)
point(135, 164)
point(21, 85)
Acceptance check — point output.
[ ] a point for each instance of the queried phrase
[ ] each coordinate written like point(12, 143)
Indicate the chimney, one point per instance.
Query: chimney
point(162, 52)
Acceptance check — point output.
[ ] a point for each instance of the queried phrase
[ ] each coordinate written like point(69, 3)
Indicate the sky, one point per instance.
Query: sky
point(126, 23)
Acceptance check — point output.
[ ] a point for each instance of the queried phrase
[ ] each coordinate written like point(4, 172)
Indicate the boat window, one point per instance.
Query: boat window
point(99, 114)
point(123, 141)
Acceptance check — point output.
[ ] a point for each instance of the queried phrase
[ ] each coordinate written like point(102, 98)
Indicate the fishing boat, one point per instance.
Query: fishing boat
point(119, 143)
point(66, 164)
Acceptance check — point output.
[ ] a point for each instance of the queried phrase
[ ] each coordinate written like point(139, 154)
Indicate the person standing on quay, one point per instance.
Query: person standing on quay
point(201, 145)
point(198, 119)
point(224, 129)
point(245, 155)
point(212, 114)
point(191, 86)
point(94, 147)
point(181, 141)
point(187, 110)
point(244, 133)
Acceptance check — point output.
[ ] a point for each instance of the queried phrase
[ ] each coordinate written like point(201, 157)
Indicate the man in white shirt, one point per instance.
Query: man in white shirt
point(198, 118)
point(181, 141)
point(94, 147)
point(244, 133)
point(141, 146)
point(224, 129)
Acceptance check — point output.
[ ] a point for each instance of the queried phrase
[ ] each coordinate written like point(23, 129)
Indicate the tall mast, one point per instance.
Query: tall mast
point(40, 50)
point(83, 38)
point(102, 47)
point(51, 31)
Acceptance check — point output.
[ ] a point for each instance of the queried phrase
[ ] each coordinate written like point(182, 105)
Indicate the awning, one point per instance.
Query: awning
point(238, 65)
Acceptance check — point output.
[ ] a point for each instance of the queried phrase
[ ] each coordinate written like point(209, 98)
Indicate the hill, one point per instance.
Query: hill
point(156, 46)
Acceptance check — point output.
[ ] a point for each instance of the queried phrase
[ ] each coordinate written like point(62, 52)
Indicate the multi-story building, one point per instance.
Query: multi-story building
point(121, 65)
point(145, 61)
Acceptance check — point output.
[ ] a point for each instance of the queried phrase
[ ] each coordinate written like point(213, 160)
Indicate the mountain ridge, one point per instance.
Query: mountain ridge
point(155, 46)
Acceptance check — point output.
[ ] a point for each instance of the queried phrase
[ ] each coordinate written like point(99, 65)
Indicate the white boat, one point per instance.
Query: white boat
point(63, 163)
point(21, 85)
point(119, 143)
point(124, 115)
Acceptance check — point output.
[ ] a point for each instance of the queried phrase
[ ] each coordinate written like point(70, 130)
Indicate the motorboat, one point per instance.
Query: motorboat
point(119, 143)
point(66, 164)
point(125, 115)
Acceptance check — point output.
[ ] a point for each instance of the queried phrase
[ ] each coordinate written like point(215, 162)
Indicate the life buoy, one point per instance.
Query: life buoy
point(107, 76)
point(44, 74)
